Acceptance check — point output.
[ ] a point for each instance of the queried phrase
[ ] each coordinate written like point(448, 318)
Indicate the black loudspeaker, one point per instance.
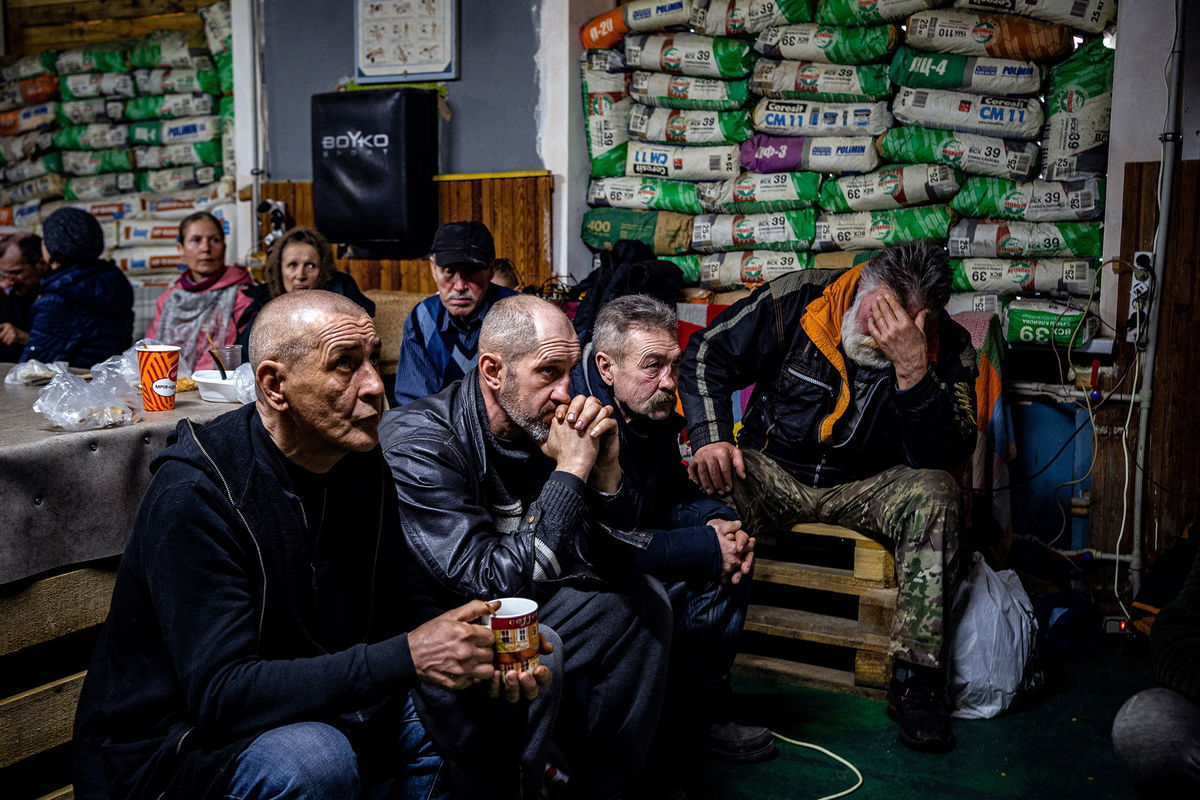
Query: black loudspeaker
point(375, 153)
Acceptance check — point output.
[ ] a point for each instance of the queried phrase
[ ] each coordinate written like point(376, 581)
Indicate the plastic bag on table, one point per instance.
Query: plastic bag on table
point(992, 648)
point(243, 381)
point(74, 404)
point(34, 372)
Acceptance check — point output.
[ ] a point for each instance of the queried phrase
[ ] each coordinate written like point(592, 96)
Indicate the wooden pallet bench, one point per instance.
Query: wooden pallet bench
point(870, 579)
point(39, 719)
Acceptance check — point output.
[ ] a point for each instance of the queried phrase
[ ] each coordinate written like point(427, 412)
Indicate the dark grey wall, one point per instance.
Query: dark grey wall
point(309, 45)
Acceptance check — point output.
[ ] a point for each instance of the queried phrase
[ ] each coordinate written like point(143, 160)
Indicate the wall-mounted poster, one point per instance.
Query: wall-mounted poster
point(406, 40)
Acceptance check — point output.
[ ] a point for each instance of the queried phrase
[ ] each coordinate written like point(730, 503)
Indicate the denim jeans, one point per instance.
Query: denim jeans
point(1157, 736)
point(316, 761)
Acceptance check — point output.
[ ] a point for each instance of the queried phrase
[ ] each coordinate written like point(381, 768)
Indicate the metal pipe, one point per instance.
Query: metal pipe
point(1060, 391)
point(256, 170)
point(1170, 153)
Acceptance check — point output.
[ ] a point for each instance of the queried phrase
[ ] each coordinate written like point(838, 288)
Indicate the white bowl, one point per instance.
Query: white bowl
point(213, 389)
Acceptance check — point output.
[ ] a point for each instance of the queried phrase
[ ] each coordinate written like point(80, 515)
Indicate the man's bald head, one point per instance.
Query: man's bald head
point(284, 329)
point(515, 325)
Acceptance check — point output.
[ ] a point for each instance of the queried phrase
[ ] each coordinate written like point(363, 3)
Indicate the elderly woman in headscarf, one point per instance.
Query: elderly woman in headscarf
point(300, 259)
point(206, 301)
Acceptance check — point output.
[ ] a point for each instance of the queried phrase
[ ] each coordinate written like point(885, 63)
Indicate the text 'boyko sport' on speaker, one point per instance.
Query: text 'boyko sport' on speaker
point(374, 157)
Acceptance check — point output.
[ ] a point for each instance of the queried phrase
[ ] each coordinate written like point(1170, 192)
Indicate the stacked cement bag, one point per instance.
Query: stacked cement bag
point(971, 97)
point(30, 164)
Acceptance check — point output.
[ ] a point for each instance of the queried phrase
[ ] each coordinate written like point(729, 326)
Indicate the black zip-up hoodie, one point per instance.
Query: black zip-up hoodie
point(219, 626)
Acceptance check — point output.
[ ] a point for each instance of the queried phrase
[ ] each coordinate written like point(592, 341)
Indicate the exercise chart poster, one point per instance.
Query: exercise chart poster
point(406, 40)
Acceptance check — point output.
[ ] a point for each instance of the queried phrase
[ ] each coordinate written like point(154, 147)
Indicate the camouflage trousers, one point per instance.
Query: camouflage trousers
point(913, 512)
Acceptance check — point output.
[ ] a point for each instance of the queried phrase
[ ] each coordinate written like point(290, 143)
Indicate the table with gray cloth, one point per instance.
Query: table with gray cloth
point(69, 497)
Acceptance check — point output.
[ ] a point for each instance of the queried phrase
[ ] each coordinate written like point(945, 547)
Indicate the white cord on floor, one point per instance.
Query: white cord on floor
point(832, 755)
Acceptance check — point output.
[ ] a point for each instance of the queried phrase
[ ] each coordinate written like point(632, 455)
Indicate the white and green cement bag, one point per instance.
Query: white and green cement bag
point(689, 265)
point(647, 194)
point(869, 12)
point(984, 115)
point(105, 57)
point(836, 154)
point(778, 230)
point(177, 178)
point(704, 163)
point(665, 232)
point(1079, 105)
point(688, 127)
point(177, 155)
point(830, 43)
point(685, 91)
point(753, 192)
point(82, 112)
point(813, 80)
point(872, 230)
point(977, 74)
point(606, 107)
point(1006, 276)
point(973, 238)
point(96, 136)
point(1035, 201)
point(1086, 15)
point(30, 66)
point(96, 162)
point(748, 269)
point(892, 187)
point(1040, 321)
point(36, 167)
point(747, 17)
point(811, 118)
point(96, 84)
point(176, 81)
point(657, 15)
point(167, 106)
point(690, 54)
point(97, 187)
point(40, 188)
point(175, 131)
point(961, 302)
point(164, 48)
point(973, 154)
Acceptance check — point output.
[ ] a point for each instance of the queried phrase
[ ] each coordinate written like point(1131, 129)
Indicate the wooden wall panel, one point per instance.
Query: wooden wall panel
point(1173, 458)
point(35, 25)
point(516, 209)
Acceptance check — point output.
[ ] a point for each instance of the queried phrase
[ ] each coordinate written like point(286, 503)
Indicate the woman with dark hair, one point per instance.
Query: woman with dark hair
point(205, 301)
point(300, 259)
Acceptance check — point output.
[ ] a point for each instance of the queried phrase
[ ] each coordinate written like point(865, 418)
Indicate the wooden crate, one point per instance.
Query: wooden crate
point(39, 719)
point(870, 578)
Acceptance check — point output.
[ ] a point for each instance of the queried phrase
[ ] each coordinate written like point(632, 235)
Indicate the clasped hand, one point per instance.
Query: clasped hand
point(583, 441)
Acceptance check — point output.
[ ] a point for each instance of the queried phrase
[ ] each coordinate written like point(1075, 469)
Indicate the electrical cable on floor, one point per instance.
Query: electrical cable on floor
point(832, 755)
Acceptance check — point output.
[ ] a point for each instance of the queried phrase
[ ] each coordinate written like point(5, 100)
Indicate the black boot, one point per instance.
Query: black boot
point(916, 700)
point(731, 741)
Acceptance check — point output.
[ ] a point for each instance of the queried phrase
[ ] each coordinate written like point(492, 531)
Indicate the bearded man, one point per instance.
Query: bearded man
point(510, 487)
point(863, 399)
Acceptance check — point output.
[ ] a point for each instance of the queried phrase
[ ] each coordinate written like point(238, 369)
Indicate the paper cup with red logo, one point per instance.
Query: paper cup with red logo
point(158, 369)
point(515, 629)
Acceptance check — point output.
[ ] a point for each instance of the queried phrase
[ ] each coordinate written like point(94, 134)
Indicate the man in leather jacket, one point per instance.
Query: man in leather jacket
point(863, 399)
point(508, 486)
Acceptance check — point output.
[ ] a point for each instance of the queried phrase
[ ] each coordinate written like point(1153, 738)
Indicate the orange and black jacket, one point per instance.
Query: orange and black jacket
point(825, 418)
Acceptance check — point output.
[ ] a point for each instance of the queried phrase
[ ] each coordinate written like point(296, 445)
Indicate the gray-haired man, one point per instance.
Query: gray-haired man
point(864, 396)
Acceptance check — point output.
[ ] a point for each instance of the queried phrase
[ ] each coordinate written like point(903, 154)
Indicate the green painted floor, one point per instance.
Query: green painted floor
point(1058, 749)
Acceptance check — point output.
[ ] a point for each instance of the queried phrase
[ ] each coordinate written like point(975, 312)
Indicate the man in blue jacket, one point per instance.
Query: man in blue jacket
point(268, 636)
point(697, 548)
point(441, 335)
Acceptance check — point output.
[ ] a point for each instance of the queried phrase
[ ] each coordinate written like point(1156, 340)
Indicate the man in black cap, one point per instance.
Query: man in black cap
point(85, 311)
point(441, 335)
point(21, 269)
